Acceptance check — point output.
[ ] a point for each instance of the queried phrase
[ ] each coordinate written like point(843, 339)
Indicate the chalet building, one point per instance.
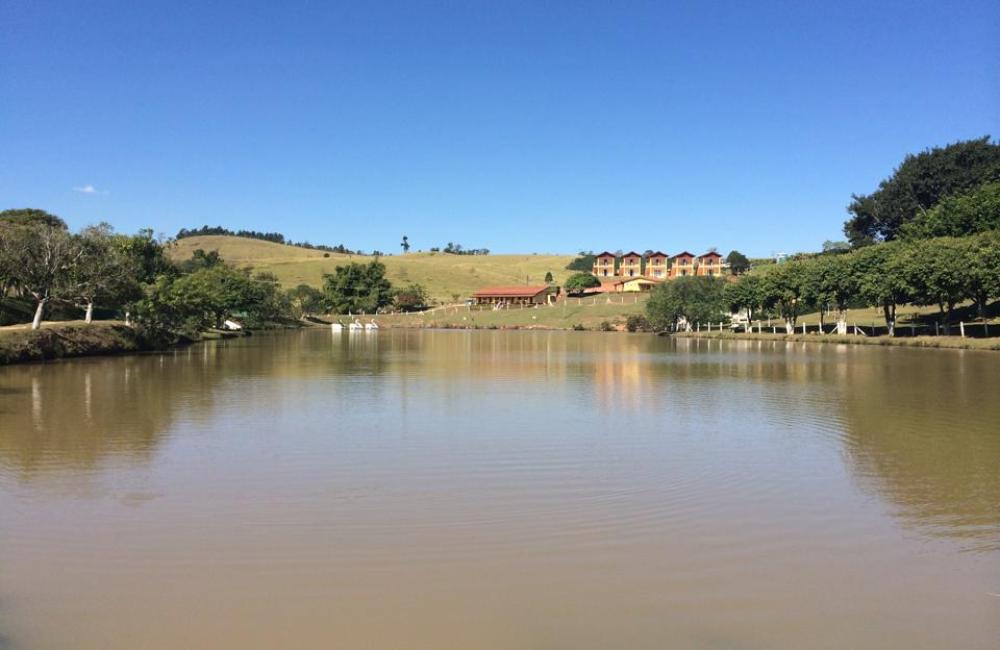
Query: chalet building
point(512, 296)
point(631, 265)
point(604, 265)
point(682, 265)
point(710, 264)
point(656, 266)
point(635, 285)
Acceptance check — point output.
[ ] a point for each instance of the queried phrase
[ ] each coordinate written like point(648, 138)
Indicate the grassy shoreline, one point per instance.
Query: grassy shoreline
point(57, 341)
point(939, 342)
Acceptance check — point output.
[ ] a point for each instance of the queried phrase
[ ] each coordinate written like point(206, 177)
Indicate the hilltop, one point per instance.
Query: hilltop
point(441, 274)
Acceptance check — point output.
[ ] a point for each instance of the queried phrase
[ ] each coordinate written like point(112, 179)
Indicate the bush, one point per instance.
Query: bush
point(606, 326)
point(579, 327)
point(637, 323)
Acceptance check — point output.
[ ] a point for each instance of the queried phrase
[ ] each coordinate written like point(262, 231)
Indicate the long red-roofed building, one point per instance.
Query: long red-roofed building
point(512, 295)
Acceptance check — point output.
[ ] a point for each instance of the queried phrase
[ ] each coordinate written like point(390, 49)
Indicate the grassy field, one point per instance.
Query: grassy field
point(441, 274)
point(589, 313)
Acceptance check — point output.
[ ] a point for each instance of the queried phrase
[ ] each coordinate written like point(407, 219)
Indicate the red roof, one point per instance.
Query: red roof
point(683, 254)
point(711, 254)
point(510, 292)
point(631, 254)
point(605, 254)
point(657, 254)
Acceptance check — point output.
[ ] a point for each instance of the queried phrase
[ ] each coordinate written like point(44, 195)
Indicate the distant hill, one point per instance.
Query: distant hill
point(440, 273)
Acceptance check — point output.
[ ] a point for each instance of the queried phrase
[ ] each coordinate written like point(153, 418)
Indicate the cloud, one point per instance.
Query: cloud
point(89, 189)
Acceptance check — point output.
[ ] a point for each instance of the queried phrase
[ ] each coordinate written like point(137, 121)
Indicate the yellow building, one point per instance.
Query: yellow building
point(604, 265)
point(635, 285)
point(681, 265)
point(656, 266)
point(710, 264)
point(631, 265)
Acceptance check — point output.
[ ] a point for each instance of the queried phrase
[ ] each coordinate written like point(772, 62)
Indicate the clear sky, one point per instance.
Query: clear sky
point(520, 127)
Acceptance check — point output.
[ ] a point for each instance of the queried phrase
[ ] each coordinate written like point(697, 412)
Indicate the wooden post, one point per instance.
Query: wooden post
point(803, 328)
point(961, 328)
point(935, 328)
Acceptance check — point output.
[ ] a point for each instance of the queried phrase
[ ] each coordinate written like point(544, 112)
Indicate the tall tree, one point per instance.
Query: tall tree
point(40, 259)
point(102, 273)
point(738, 262)
point(746, 293)
point(686, 300)
point(982, 267)
point(881, 278)
point(830, 281)
point(357, 288)
point(957, 216)
point(917, 185)
point(405, 244)
point(782, 288)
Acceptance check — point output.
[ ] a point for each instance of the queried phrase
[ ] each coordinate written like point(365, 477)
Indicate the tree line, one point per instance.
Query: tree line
point(274, 237)
point(132, 276)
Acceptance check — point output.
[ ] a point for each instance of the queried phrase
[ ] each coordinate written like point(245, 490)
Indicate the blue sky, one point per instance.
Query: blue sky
point(520, 127)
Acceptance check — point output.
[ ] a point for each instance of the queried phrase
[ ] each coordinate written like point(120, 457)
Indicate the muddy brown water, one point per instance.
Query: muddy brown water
point(486, 490)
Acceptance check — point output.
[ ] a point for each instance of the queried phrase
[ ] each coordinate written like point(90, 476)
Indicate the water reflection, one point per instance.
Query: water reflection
point(500, 489)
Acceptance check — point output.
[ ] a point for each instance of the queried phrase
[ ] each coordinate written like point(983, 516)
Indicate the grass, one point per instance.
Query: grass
point(951, 342)
point(442, 275)
point(564, 315)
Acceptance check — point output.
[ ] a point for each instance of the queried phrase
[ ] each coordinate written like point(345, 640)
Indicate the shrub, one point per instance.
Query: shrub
point(579, 327)
point(606, 326)
point(637, 323)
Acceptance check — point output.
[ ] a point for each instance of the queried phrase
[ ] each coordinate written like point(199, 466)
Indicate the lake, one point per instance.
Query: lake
point(489, 489)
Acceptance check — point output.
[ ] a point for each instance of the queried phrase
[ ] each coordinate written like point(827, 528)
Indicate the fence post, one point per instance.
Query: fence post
point(936, 328)
point(986, 329)
point(961, 328)
point(803, 328)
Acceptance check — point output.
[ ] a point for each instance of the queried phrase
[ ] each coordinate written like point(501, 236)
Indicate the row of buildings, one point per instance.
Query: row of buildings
point(657, 266)
point(628, 273)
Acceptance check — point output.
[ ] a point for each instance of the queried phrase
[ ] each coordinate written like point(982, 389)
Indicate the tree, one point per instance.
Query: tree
point(31, 216)
point(581, 281)
point(957, 216)
point(103, 273)
point(917, 185)
point(829, 281)
point(305, 300)
point(935, 274)
point(830, 246)
point(881, 278)
point(200, 260)
point(39, 259)
point(411, 298)
point(746, 294)
point(982, 266)
point(738, 262)
point(357, 288)
point(548, 277)
point(782, 291)
point(405, 244)
point(687, 299)
point(584, 262)
point(146, 254)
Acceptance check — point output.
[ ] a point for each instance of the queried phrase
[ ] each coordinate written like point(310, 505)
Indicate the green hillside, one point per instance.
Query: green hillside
point(441, 274)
